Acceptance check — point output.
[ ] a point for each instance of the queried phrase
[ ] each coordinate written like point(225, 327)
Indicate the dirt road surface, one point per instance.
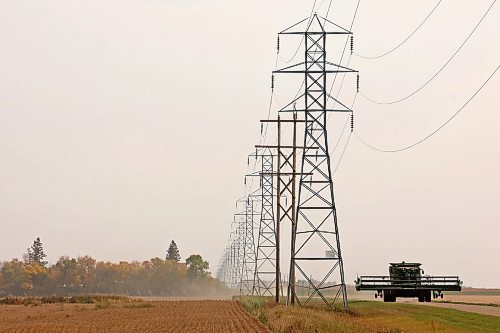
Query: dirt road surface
point(488, 299)
point(176, 316)
point(480, 309)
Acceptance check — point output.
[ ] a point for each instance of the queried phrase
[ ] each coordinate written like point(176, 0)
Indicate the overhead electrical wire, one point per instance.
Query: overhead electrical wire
point(302, 39)
point(404, 40)
point(326, 18)
point(276, 64)
point(343, 129)
point(295, 53)
point(440, 70)
point(340, 137)
point(342, 134)
point(311, 17)
point(328, 10)
point(338, 93)
point(263, 135)
point(344, 74)
point(433, 132)
point(342, 155)
point(345, 46)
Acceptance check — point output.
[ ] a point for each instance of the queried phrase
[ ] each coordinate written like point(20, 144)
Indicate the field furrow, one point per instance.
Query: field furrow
point(146, 317)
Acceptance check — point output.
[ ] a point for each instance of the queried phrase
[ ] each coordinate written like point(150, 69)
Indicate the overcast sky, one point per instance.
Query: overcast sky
point(125, 124)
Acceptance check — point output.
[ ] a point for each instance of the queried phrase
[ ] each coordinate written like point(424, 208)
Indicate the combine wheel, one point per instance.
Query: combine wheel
point(421, 298)
point(389, 297)
point(428, 296)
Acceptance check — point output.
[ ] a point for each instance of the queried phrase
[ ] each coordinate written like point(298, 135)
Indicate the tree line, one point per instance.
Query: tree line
point(33, 276)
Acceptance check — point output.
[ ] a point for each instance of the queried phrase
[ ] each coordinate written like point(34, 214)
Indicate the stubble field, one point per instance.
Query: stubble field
point(144, 317)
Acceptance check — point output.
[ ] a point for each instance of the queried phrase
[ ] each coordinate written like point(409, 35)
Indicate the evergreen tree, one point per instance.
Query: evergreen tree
point(173, 252)
point(35, 253)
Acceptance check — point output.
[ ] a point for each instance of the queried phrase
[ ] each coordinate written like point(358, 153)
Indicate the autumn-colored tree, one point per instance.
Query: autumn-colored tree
point(66, 273)
point(36, 276)
point(173, 252)
point(15, 278)
point(86, 268)
point(84, 275)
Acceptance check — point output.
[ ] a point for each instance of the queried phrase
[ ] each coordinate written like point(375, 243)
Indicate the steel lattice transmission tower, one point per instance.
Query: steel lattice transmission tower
point(265, 268)
point(286, 173)
point(315, 238)
point(234, 262)
point(224, 265)
point(246, 247)
point(229, 271)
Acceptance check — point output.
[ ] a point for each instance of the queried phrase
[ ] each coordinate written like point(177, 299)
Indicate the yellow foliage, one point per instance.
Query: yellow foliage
point(35, 269)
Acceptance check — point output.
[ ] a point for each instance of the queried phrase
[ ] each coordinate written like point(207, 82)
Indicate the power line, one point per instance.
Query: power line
point(338, 93)
point(345, 126)
point(328, 11)
point(405, 40)
point(343, 51)
point(439, 71)
point(341, 58)
point(435, 131)
point(343, 152)
point(303, 37)
point(342, 134)
point(263, 135)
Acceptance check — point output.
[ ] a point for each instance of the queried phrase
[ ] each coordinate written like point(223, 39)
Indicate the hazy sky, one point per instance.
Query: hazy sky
point(126, 123)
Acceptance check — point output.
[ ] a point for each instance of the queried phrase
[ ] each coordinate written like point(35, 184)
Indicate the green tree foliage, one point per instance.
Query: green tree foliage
point(35, 253)
point(197, 267)
point(173, 252)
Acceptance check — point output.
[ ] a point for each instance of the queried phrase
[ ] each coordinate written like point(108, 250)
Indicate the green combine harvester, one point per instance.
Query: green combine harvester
point(408, 280)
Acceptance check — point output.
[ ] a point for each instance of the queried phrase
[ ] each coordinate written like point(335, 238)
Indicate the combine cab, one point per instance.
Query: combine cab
point(407, 280)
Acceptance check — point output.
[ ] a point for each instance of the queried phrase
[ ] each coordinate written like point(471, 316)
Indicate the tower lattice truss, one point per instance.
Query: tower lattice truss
point(316, 247)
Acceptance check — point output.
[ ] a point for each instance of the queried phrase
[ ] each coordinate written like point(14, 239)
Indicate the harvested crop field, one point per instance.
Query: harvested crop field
point(146, 317)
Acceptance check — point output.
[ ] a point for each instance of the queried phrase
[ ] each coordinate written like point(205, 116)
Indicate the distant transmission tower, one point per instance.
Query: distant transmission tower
point(265, 268)
point(224, 266)
point(234, 262)
point(247, 247)
point(316, 240)
point(286, 173)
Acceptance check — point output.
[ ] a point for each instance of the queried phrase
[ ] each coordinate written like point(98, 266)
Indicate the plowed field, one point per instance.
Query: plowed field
point(175, 316)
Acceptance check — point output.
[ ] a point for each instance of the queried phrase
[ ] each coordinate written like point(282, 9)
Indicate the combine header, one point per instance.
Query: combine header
point(407, 280)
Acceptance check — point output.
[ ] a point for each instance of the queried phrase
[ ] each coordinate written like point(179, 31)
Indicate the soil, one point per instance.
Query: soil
point(144, 317)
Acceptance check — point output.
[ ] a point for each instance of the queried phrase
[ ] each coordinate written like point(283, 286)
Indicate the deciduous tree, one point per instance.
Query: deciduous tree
point(197, 267)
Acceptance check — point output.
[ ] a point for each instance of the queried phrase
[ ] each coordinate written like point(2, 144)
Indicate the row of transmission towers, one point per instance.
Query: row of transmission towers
point(295, 188)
